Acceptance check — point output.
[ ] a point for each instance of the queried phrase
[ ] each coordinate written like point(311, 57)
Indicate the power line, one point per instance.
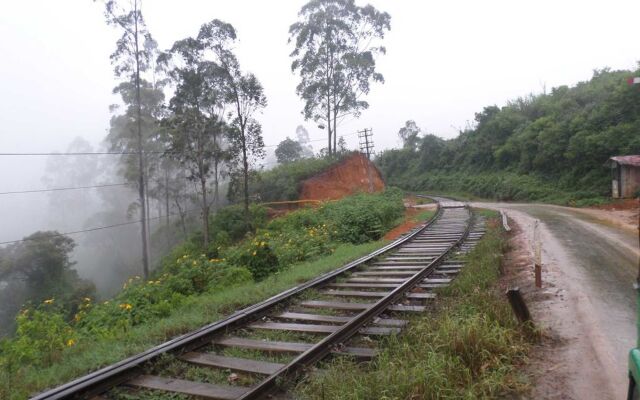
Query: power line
point(86, 153)
point(99, 228)
point(126, 153)
point(314, 140)
point(63, 189)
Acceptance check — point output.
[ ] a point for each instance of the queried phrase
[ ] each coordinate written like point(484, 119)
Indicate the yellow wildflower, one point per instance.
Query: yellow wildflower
point(254, 253)
point(126, 306)
point(49, 301)
point(87, 299)
point(70, 342)
point(263, 244)
point(195, 263)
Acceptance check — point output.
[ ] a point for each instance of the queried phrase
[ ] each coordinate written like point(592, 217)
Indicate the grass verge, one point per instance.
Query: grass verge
point(469, 348)
point(195, 312)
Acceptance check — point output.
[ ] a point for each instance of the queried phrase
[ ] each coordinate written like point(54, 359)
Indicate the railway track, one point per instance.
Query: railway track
point(249, 354)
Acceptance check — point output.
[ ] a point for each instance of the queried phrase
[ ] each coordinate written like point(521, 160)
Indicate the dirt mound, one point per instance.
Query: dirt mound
point(352, 175)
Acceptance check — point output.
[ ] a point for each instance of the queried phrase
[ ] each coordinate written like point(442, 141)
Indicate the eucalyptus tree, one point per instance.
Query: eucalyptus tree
point(336, 43)
point(303, 138)
point(410, 135)
point(245, 95)
point(196, 127)
point(288, 151)
point(123, 137)
point(130, 59)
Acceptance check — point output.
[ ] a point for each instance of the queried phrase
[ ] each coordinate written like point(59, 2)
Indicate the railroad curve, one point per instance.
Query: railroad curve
point(332, 314)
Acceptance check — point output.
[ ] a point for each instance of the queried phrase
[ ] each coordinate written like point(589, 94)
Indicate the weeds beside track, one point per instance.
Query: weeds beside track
point(470, 347)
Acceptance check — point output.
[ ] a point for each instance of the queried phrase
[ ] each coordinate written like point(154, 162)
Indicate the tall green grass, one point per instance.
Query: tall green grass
point(195, 312)
point(469, 348)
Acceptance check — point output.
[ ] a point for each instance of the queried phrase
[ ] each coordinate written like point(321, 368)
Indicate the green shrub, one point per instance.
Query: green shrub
point(231, 220)
point(257, 256)
point(361, 218)
point(283, 181)
point(302, 243)
point(42, 333)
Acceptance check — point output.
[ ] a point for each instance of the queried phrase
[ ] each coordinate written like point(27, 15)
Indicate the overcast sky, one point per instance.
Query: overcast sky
point(445, 61)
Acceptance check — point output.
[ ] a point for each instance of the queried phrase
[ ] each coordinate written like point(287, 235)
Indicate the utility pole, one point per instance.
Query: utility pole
point(366, 147)
point(366, 142)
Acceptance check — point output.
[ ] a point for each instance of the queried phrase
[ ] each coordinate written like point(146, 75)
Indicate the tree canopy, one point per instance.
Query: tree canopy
point(558, 140)
point(288, 151)
point(336, 43)
point(409, 134)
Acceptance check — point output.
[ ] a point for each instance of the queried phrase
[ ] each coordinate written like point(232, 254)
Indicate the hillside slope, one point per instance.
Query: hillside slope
point(548, 147)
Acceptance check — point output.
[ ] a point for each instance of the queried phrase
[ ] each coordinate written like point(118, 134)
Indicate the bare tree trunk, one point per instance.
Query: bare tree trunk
point(205, 213)
point(216, 182)
point(146, 196)
point(166, 204)
point(182, 218)
point(141, 186)
point(245, 170)
point(335, 130)
point(329, 125)
point(216, 187)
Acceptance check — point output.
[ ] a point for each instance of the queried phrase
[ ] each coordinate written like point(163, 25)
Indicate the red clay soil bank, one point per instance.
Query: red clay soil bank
point(352, 175)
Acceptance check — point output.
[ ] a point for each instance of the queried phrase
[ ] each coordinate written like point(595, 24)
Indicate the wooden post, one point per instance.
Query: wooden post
point(537, 250)
point(518, 305)
point(505, 222)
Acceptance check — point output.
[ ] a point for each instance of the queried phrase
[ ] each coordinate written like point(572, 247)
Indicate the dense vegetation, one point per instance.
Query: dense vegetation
point(48, 332)
point(283, 181)
point(469, 349)
point(37, 269)
point(547, 147)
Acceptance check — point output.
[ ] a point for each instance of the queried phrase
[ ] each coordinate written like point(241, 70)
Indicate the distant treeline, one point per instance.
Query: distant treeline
point(547, 147)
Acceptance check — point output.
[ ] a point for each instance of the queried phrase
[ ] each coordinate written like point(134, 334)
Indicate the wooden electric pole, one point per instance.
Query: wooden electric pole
point(366, 142)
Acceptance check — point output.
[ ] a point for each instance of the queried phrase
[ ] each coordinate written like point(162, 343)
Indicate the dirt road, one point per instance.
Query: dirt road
point(587, 302)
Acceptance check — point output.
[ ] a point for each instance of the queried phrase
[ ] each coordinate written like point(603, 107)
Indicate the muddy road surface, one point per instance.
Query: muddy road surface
point(587, 301)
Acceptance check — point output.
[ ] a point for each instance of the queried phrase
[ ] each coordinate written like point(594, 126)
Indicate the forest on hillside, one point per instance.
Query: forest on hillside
point(546, 147)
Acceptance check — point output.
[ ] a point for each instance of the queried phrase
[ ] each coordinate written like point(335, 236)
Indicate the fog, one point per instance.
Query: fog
point(444, 62)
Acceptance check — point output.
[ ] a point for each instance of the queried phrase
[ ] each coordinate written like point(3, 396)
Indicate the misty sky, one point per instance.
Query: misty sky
point(445, 61)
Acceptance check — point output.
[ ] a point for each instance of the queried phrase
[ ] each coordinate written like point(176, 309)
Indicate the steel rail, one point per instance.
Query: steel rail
point(349, 329)
point(98, 381)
